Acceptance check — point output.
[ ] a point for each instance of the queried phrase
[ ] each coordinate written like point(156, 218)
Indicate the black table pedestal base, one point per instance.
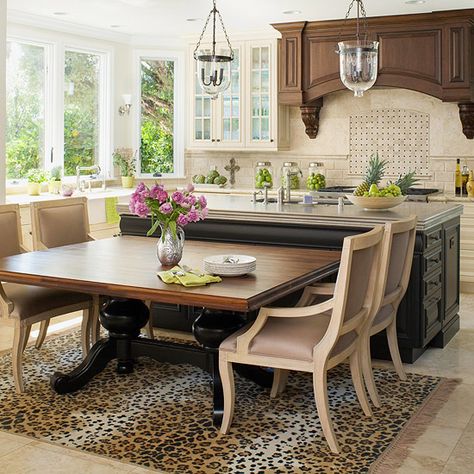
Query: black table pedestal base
point(123, 318)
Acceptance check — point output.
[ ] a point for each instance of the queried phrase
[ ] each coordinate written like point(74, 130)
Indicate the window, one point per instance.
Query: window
point(82, 110)
point(51, 126)
point(160, 129)
point(26, 108)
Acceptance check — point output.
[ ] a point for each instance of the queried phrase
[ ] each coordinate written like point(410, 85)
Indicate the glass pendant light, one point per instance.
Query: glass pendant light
point(214, 70)
point(358, 59)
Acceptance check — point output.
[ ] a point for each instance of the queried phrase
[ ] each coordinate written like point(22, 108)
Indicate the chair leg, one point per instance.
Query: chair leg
point(42, 333)
point(27, 336)
point(149, 326)
point(228, 387)
point(394, 350)
point(322, 405)
point(358, 382)
point(368, 372)
point(280, 378)
point(19, 337)
point(94, 324)
point(86, 330)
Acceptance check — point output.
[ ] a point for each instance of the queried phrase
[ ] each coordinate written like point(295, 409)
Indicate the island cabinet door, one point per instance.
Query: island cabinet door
point(451, 241)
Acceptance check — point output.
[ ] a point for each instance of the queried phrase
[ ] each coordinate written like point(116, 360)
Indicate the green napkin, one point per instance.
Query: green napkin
point(179, 276)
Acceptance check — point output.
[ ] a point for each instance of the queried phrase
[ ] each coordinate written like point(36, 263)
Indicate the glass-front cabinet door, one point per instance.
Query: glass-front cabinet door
point(218, 123)
point(260, 114)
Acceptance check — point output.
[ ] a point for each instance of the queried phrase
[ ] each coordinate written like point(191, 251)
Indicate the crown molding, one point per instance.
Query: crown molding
point(52, 24)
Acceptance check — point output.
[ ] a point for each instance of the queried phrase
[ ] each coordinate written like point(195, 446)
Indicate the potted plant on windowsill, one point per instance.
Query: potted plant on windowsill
point(125, 159)
point(35, 179)
point(54, 185)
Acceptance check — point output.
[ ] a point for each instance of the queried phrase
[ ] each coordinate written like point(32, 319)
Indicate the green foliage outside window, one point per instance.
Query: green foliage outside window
point(157, 115)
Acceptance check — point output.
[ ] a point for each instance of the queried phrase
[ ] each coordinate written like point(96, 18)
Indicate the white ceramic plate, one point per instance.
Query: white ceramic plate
point(230, 265)
point(375, 203)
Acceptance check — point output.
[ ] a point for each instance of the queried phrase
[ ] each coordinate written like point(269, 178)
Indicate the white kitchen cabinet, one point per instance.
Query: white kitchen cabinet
point(247, 114)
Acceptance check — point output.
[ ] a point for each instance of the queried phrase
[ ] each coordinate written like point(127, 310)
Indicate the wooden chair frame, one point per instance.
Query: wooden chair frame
point(22, 328)
point(322, 360)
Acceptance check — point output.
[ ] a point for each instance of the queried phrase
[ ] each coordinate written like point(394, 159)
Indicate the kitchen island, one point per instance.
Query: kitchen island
point(428, 314)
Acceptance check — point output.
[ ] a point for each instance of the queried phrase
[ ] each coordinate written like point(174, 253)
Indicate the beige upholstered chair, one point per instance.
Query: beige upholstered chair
point(56, 223)
point(64, 222)
point(24, 305)
point(395, 268)
point(312, 338)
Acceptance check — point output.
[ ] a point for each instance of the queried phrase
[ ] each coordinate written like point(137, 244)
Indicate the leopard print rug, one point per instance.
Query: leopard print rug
point(160, 416)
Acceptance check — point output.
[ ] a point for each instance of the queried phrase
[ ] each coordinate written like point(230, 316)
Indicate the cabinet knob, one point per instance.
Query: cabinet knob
point(218, 140)
point(271, 141)
point(213, 140)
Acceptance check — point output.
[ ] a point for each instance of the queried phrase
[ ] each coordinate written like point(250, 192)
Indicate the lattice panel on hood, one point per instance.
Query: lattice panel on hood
point(398, 135)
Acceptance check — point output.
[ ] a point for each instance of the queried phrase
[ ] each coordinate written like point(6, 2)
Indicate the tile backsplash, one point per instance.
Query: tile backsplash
point(432, 147)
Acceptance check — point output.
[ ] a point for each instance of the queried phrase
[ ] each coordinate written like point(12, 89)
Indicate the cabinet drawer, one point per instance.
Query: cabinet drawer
point(432, 283)
point(433, 314)
point(433, 238)
point(432, 260)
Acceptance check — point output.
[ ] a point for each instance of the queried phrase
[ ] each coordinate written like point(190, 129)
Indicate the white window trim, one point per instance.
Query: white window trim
point(49, 100)
point(54, 101)
point(179, 105)
point(106, 104)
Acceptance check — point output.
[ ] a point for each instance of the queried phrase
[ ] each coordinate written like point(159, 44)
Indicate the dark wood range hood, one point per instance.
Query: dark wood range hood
point(432, 53)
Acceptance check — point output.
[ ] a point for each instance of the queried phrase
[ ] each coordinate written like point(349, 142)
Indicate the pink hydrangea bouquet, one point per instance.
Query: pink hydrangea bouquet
point(168, 210)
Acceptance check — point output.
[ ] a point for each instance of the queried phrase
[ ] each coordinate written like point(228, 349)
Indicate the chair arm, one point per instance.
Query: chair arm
point(23, 249)
point(320, 289)
point(244, 340)
point(6, 305)
point(90, 238)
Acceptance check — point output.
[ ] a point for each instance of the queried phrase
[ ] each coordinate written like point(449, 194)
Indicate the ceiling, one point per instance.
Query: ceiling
point(168, 18)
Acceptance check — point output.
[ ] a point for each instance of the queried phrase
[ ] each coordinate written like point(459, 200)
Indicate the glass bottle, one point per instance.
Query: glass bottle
point(316, 177)
point(458, 178)
point(464, 179)
point(290, 170)
point(263, 175)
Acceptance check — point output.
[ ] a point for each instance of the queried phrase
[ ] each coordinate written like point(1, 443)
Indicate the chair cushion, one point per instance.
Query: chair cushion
point(33, 300)
point(290, 338)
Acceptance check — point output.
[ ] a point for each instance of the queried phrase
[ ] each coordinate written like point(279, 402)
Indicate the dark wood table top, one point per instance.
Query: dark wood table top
point(127, 267)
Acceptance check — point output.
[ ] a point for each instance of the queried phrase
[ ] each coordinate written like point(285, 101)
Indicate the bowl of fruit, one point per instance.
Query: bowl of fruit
point(371, 196)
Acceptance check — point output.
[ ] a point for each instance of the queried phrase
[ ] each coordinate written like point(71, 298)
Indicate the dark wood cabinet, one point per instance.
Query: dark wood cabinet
point(432, 53)
point(428, 314)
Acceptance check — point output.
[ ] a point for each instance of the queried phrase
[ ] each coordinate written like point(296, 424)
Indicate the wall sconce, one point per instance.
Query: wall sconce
point(127, 104)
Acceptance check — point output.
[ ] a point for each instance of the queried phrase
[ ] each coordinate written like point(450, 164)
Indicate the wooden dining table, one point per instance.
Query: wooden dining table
point(124, 269)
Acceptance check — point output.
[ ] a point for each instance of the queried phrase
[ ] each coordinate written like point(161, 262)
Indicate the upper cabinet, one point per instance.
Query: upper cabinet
point(247, 114)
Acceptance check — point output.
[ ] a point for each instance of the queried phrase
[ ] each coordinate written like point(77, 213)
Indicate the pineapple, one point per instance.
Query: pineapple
point(373, 175)
point(405, 182)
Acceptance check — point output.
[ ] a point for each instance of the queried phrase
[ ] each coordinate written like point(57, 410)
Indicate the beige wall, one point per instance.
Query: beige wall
point(332, 145)
point(3, 27)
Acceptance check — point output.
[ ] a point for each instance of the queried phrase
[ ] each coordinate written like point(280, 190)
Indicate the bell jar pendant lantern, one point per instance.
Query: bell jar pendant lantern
point(214, 70)
point(358, 59)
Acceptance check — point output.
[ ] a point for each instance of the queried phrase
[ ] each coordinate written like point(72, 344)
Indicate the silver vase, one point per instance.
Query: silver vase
point(170, 247)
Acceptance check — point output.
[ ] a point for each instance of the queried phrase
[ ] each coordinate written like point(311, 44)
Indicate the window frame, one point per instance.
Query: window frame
point(54, 102)
point(49, 101)
point(178, 57)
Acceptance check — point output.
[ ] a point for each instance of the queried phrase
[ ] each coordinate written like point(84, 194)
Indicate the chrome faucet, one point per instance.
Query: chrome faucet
point(264, 193)
point(286, 197)
point(81, 182)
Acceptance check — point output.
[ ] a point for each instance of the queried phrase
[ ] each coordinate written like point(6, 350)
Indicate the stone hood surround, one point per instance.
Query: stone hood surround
point(241, 208)
point(432, 53)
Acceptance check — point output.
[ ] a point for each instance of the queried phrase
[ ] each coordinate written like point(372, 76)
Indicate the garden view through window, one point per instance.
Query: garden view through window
point(157, 116)
point(81, 110)
point(25, 134)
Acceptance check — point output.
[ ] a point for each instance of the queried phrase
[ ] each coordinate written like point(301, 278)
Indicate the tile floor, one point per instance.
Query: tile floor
point(446, 447)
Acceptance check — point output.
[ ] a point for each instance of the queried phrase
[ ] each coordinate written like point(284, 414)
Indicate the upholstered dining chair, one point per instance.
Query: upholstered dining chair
point(395, 267)
point(312, 338)
point(24, 305)
point(64, 222)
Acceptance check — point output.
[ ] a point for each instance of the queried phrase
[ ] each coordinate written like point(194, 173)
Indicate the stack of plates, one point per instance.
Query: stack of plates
point(230, 265)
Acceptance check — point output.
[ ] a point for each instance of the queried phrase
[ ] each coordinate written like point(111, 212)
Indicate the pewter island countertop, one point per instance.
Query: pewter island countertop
point(241, 208)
